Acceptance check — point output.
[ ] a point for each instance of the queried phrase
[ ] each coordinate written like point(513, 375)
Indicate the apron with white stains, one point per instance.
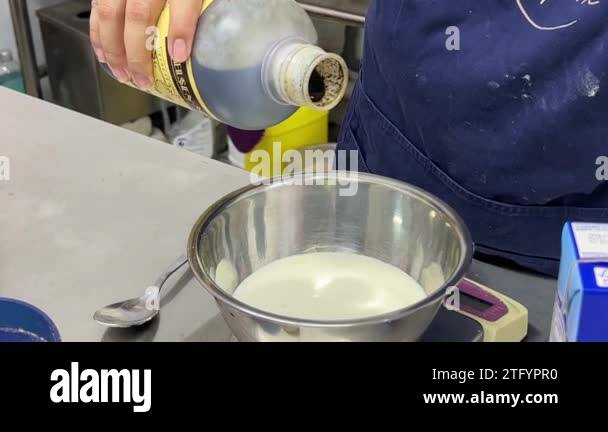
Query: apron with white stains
point(500, 108)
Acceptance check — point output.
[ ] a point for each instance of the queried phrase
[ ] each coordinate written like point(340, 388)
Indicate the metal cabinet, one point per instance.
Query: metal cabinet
point(76, 78)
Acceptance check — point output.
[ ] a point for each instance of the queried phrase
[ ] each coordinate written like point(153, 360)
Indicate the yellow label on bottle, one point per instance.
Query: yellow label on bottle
point(175, 81)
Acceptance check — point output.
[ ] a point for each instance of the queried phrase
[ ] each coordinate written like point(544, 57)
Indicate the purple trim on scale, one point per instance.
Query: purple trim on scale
point(494, 313)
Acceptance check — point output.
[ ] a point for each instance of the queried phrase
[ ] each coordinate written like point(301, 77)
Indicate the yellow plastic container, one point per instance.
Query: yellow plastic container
point(305, 128)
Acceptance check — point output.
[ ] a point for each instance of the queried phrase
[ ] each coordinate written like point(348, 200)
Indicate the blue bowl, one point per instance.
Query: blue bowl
point(22, 322)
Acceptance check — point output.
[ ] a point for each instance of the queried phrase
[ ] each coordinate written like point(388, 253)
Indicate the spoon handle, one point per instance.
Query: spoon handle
point(179, 263)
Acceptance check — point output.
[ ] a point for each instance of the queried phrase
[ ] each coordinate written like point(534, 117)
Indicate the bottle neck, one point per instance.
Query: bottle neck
point(301, 74)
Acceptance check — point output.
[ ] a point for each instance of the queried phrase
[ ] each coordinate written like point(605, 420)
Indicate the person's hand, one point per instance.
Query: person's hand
point(120, 32)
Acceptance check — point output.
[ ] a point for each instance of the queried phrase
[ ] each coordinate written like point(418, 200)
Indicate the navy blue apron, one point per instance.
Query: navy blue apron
point(508, 129)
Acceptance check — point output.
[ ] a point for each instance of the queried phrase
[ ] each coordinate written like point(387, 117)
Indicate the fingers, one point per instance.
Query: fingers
point(111, 28)
point(184, 18)
point(140, 16)
point(94, 33)
point(120, 35)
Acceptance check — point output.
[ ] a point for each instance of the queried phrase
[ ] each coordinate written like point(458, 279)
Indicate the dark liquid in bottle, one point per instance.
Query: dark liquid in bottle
point(316, 87)
point(239, 95)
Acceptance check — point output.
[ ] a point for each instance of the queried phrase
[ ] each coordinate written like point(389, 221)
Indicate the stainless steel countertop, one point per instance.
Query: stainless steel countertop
point(92, 213)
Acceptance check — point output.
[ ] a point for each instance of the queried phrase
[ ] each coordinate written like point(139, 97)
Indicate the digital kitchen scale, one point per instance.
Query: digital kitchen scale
point(484, 316)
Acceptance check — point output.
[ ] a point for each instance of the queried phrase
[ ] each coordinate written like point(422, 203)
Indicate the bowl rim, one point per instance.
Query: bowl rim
point(197, 267)
point(52, 327)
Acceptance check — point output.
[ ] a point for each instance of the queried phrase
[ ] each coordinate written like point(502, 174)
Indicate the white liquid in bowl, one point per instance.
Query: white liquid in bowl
point(329, 287)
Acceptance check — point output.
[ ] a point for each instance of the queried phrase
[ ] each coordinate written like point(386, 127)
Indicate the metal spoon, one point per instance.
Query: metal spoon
point(138, 311)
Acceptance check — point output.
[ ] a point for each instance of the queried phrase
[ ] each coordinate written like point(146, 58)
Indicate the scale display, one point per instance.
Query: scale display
point(502, 318)
point(475, 303)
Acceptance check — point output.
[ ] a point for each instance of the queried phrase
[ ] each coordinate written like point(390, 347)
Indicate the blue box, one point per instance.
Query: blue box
point(580, 312)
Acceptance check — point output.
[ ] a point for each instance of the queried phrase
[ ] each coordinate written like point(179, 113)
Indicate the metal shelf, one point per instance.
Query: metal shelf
point(346, 11)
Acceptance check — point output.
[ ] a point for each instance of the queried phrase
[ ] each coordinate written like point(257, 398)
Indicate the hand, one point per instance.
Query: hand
point(119, 32)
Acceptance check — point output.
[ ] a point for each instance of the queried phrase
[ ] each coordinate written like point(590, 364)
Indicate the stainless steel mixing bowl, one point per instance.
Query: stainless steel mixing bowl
point(386, 219)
